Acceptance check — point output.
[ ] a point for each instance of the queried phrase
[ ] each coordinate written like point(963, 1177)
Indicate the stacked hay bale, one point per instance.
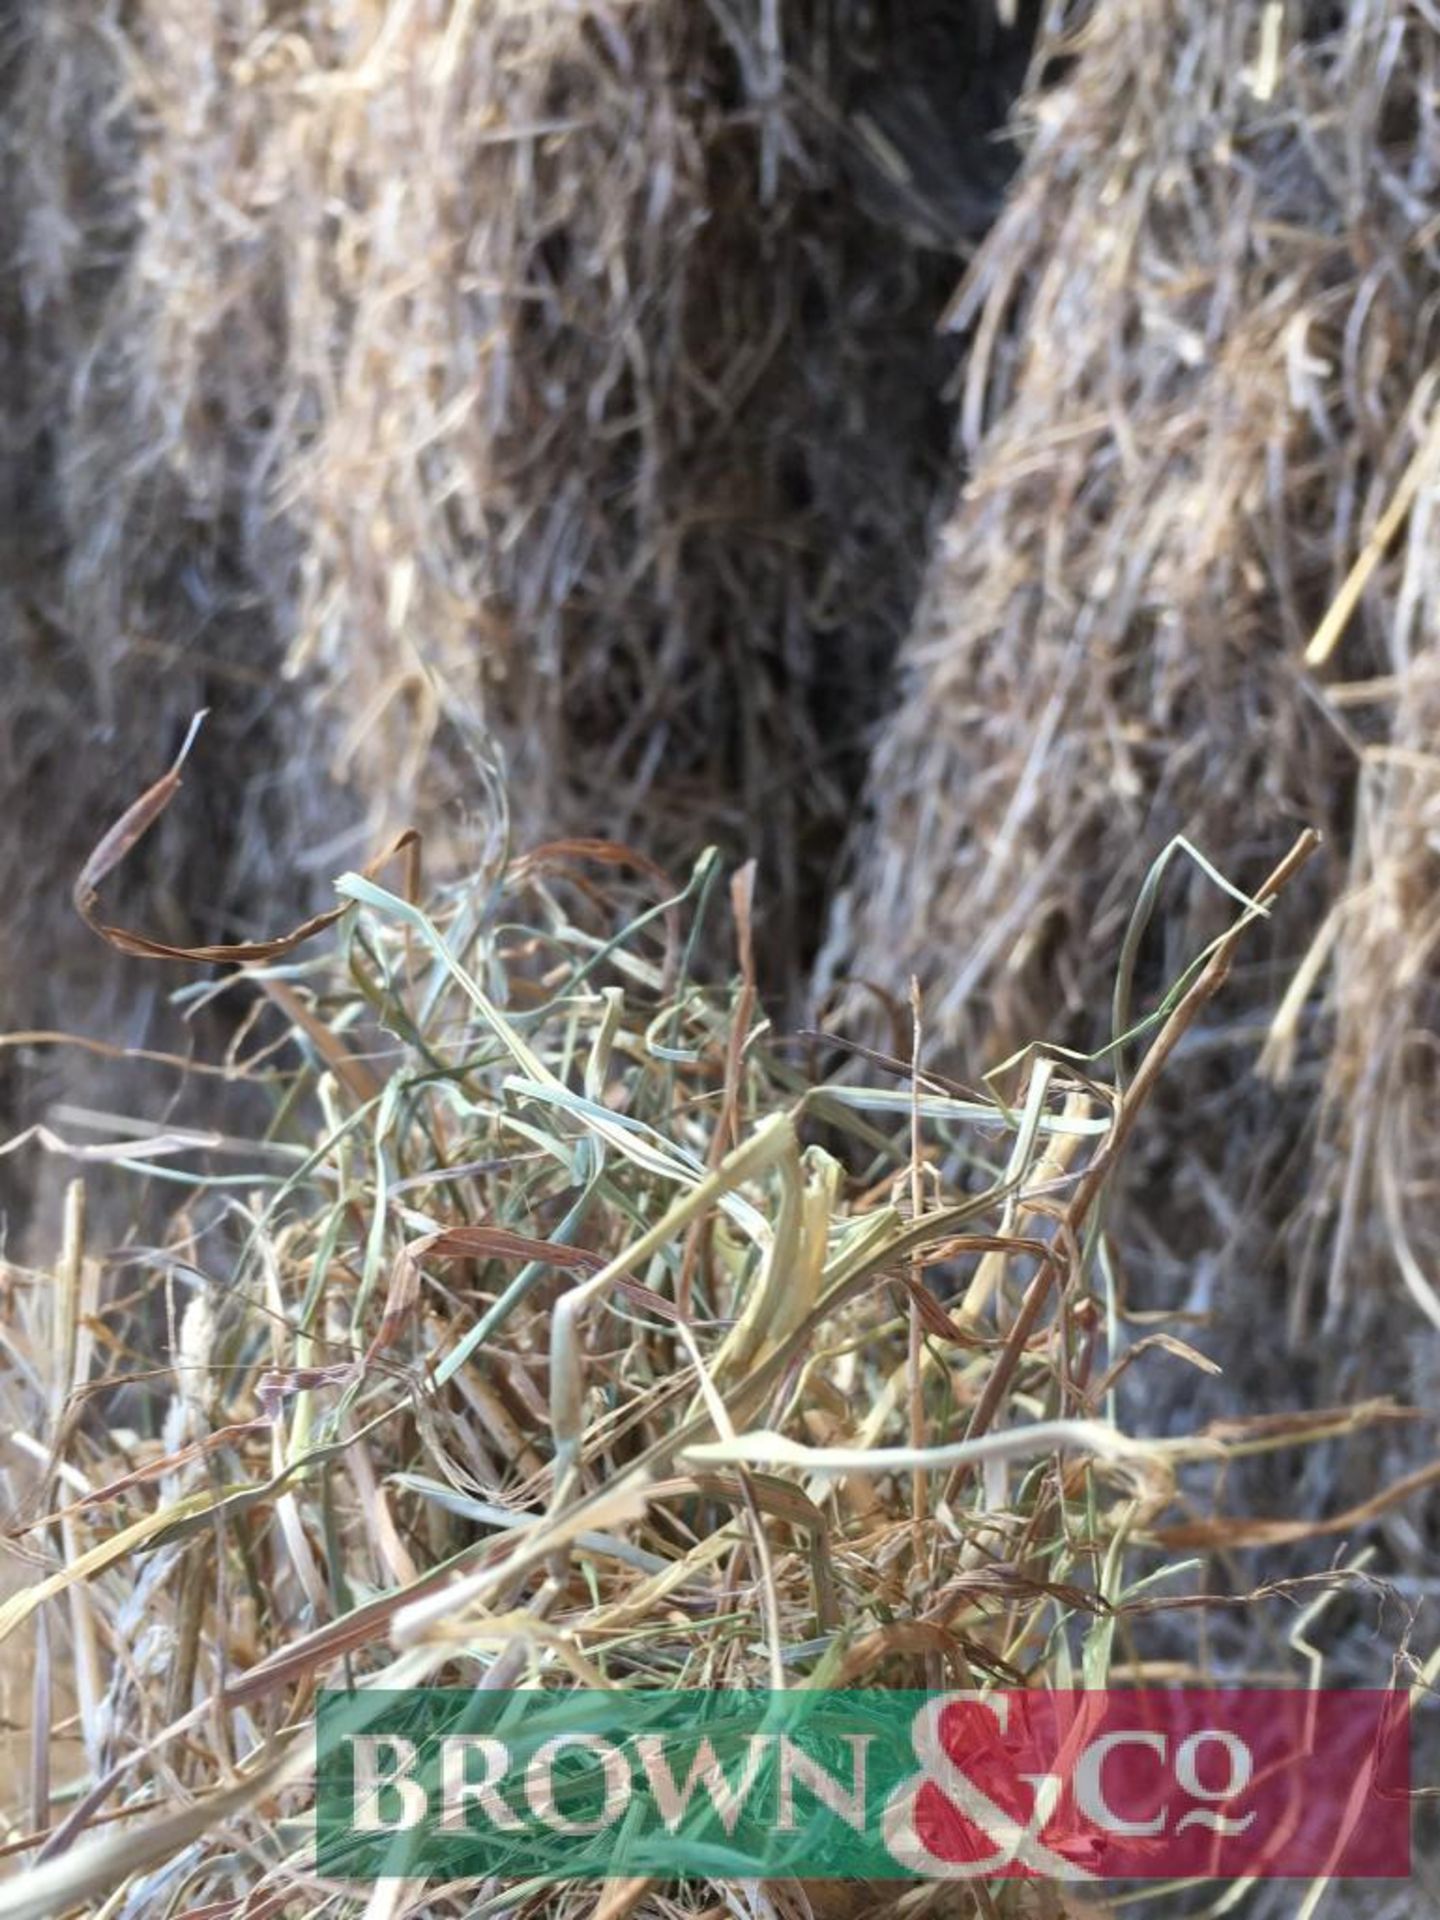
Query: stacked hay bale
point(545, 345)
point(566, 367)
point(1200, 414)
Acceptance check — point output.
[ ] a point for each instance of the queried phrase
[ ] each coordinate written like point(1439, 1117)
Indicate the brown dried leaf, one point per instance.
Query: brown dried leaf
point(121, 839)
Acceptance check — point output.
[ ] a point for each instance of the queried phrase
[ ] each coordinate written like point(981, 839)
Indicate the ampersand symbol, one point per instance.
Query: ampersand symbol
point(1015, 1842)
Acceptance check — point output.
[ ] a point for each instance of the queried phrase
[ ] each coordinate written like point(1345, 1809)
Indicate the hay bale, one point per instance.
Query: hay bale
point(542, 348)
point(568, 368)
point(129, 594)
point(1204, 347)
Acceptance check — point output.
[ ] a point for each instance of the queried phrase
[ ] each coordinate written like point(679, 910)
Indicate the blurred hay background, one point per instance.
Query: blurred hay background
point(1191, 586)
point(571, 369)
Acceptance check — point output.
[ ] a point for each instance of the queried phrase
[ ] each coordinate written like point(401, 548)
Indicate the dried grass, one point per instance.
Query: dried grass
point(559, 1324)
point(540, 363)
point(1191, 587)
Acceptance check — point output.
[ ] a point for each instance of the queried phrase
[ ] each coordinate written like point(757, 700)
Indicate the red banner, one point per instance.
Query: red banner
point(1158, 1784)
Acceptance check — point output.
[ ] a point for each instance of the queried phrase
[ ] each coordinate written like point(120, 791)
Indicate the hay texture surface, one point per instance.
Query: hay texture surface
point(559, 1327)
point(566, 368)
point(1191, 587)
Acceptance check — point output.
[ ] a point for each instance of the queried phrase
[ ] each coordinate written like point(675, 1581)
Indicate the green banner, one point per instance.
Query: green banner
point(726, 1784)
point(540, 1784)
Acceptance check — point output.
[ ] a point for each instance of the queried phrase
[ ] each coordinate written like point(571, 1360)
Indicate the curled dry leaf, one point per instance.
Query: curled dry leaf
point(130, 829)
